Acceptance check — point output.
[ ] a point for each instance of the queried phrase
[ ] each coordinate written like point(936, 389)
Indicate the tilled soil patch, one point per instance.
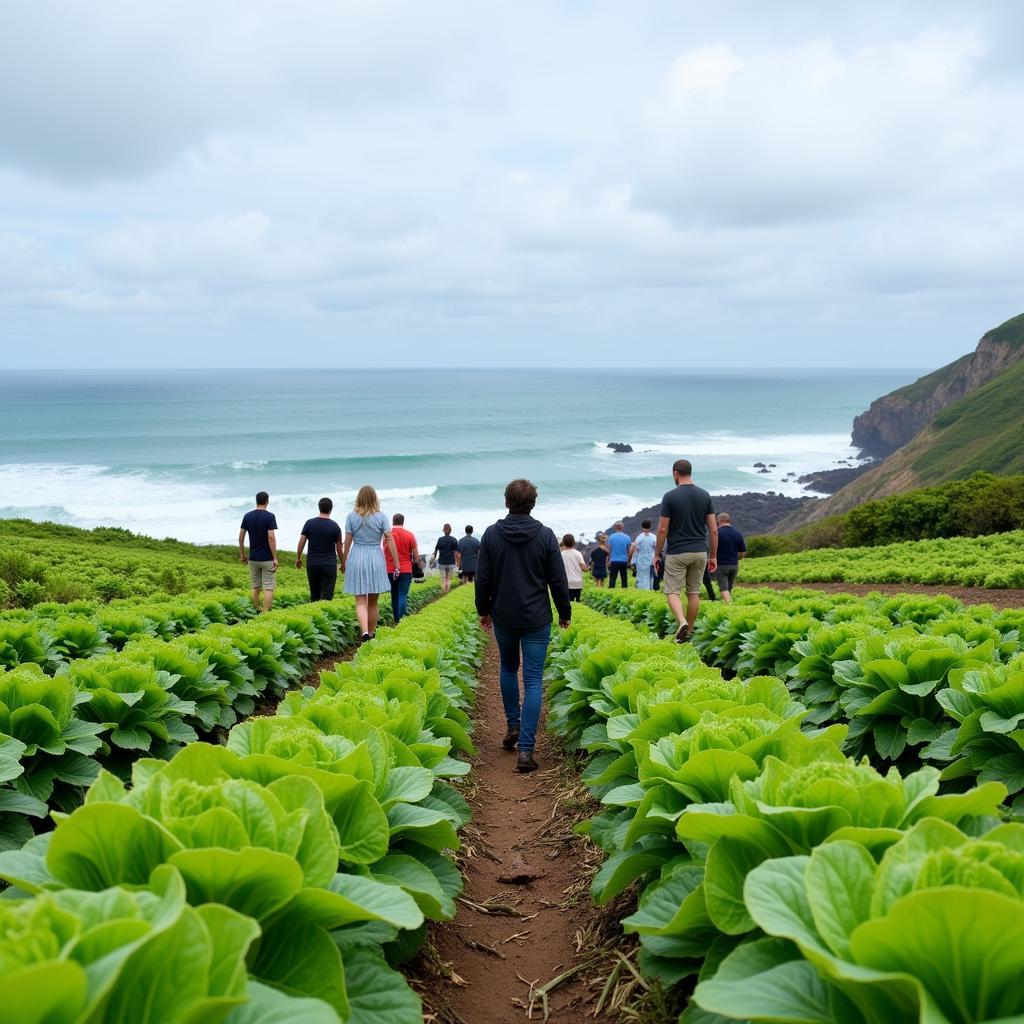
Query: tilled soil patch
point(525, 926)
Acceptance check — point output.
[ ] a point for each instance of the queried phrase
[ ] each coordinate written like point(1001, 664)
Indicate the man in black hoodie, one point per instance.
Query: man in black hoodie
point(518, 563)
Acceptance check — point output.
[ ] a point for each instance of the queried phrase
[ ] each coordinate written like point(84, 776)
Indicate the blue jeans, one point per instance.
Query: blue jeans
point(400, 595)
point(530, 646)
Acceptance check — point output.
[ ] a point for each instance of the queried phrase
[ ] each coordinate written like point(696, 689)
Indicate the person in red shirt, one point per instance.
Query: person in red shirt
point(405, 544)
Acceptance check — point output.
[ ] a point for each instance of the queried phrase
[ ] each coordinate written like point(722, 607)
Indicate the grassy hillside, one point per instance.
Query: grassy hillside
point(50, 562)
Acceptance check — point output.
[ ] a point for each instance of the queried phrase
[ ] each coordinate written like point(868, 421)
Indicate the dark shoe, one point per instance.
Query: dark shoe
point(525, 762)
point(511, 738)
point(683, 634)
point(364, 638)
point(373, 635)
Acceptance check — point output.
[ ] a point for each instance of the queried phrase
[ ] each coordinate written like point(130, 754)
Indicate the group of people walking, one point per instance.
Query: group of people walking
point(373, 555)
point(519, 570)
point(615, 554)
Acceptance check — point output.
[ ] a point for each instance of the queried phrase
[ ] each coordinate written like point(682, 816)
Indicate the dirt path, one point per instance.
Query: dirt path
point(969, 595)
point(525, 917)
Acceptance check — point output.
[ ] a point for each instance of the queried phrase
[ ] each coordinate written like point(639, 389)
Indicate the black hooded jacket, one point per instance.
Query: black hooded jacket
point(518, 562)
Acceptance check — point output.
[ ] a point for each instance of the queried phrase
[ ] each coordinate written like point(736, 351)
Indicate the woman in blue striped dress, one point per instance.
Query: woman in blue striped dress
point(366, 575)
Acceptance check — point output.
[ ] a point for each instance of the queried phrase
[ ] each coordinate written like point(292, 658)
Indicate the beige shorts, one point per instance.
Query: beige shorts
point(446, 571)
point(685, 572)
point(262, 575)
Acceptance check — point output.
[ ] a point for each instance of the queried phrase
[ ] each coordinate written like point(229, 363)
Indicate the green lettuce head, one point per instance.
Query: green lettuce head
point(933, 933)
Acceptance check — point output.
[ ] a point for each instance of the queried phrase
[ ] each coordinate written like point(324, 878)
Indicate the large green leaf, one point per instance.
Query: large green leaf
point(963, 945)
point(351, 898)
point(378, 994)
point(767, 981)
point(623, 868)
point(267, 1005)
point(300, 959)
point(418, 880)
point(52, 992)
point(11, 751)
point(83, 855)
point(839, 880)
point(252, 881)
point(674, 905)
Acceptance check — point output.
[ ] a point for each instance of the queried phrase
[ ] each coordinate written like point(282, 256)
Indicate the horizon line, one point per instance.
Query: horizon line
point(461, 369)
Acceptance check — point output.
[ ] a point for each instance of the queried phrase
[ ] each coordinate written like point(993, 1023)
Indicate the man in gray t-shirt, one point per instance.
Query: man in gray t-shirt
point(688, 536)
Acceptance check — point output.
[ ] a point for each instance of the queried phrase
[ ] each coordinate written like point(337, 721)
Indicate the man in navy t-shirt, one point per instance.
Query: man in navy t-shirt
point(619, 544)
point(731, 548)
point(260, 525)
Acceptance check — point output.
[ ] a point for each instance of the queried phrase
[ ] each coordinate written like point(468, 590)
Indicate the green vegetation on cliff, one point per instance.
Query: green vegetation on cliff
point(984, 431)
point(1009, 333)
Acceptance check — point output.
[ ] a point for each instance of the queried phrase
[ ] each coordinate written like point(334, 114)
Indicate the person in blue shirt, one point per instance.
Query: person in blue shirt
point(731, 548)
point(619, 544)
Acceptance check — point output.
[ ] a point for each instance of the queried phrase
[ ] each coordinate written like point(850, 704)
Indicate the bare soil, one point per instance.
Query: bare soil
point(525, 917)
point(968, 595)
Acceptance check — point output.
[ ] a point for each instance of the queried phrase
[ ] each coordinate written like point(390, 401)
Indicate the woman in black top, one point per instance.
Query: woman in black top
point(599, 560)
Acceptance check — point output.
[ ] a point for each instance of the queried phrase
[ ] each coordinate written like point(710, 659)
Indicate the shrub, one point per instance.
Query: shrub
point(28, 593)
point(62, 589)
point(110, 588)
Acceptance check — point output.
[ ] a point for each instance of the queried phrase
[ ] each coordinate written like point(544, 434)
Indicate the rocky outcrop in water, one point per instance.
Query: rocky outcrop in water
point(828, 481)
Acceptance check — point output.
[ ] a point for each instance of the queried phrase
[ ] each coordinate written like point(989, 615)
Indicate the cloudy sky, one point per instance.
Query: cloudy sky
point(210, 183)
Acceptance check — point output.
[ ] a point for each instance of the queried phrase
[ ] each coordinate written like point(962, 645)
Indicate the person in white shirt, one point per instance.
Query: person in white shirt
point(642, 556)
point(575, 566)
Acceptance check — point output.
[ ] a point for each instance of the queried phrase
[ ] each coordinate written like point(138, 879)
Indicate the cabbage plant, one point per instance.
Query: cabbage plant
point(147, 956)
point(934, 933)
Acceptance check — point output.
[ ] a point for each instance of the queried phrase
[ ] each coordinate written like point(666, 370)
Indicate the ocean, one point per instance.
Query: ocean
point(181, 453)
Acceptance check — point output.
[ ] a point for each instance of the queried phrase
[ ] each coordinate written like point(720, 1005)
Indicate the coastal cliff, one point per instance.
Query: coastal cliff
point(981, 430)
point(895, 419)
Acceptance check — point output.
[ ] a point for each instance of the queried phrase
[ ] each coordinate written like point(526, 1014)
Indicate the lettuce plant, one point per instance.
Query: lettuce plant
point(933, 933)
point(798, 804)
point(26, 643)
point(988, 704)
point(75, 637)
point(890, 687)
point(191, 678)
point(812, 676)
point(75, 956)
point(45, 749)
point(767, 649)
point(270, 852)
point(133, 704)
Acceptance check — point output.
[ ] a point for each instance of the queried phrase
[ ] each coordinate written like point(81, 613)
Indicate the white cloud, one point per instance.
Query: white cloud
point(812, 132)
point(579, 177)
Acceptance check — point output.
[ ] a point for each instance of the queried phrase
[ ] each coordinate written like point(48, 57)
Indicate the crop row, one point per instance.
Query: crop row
point(271, 879)
point(918, 679)
point(51, 635)
point(783, 879)
point(994, 560)
point(83, 693)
